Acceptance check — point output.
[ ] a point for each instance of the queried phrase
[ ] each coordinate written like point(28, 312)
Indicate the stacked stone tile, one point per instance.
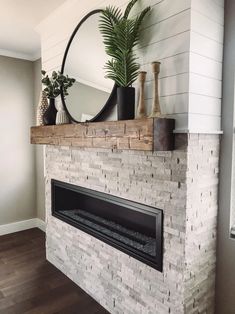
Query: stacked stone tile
point(184, 184)
point(201, 223)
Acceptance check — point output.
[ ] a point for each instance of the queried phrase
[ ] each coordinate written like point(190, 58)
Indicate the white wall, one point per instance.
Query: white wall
point(17, 167)
point(206, 56)
point(186, 36)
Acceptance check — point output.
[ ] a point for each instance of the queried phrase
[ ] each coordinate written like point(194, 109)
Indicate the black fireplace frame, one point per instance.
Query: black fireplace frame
point(155, 262)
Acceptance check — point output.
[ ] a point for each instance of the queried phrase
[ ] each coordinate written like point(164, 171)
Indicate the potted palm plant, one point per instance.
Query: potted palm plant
point(121, 35)
point(54, 85)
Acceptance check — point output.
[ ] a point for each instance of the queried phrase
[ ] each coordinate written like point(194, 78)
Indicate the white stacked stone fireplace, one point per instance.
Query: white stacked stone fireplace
point(182, 183)
point(186, 36)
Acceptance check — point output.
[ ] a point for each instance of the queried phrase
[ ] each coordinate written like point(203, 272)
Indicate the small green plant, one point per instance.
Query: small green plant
point(121, 34)
point(56, 84)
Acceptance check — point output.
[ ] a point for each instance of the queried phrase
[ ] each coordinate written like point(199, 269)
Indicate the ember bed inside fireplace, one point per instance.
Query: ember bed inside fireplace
point(133, 228)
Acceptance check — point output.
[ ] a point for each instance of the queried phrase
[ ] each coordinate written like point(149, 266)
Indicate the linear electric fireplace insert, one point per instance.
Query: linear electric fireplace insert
point(133, 228)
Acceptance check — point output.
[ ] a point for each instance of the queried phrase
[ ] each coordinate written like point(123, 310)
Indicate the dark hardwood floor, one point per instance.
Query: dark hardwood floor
point(29, 284)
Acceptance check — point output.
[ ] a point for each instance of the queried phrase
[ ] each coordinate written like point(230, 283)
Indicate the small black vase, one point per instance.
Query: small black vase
point(49, 116)
point(126, 103)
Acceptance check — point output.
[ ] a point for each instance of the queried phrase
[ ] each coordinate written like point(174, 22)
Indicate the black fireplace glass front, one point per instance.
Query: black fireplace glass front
point(133, 228)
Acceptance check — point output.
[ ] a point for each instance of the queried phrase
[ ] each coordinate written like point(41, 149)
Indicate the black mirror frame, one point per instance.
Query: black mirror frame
point(112, 100)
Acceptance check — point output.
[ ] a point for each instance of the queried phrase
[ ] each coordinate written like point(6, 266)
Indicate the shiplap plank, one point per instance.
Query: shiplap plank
point(169, 86)
point(206, 47)
point(205, 86)
point(171, 66)
point(205, 66)
point(165, 48)
point(204, 105)
point(206, 27)
point(209, 9)
point(168, 28)
point(163, 10)
point(178, 84)
point(176, 104)
point(199, 123)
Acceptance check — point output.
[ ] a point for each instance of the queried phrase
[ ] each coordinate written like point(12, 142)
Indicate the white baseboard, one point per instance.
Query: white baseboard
point(22, 225)
point(41, 224)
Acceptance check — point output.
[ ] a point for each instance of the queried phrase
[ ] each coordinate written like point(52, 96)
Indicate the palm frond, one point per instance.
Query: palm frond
point(138, 23)
point(110, 17)
point(129, 8)
point(120, 36)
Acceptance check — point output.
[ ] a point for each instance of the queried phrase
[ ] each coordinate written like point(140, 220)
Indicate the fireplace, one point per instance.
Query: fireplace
point(133, 228)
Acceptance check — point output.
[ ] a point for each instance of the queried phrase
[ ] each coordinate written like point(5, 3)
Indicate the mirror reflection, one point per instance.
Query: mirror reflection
point(85, 62)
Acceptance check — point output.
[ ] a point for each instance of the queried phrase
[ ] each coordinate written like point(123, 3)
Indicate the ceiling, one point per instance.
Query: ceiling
point(18, 19)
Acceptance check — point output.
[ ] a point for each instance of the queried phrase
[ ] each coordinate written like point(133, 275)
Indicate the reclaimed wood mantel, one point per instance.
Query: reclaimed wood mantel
point(154, 134)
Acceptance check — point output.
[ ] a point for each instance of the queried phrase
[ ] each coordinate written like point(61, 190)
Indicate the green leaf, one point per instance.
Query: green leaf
point(129, 8)
point(55, 83)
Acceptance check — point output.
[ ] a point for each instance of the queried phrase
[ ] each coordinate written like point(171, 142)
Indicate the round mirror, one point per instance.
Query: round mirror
point(92, 96)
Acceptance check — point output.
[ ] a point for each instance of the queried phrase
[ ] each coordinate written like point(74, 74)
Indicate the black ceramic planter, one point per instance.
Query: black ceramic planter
point(126, 103)
point(49, 116)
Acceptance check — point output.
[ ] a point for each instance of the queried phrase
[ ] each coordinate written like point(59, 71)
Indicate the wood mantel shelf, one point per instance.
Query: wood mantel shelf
point(154, 134)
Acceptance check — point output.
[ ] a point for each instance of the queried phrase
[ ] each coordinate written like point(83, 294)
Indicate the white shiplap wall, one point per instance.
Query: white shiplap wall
point(185, 35)
point(206, 57)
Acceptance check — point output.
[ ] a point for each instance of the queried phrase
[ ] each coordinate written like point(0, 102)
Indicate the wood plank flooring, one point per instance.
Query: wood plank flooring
point(31, 285)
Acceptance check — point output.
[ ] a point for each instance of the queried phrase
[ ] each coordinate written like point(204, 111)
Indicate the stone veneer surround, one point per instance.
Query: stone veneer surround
point(184, 184)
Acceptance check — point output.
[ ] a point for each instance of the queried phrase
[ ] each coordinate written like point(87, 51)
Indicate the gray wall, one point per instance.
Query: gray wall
point(225, 286)
point(40, 186)
point(17, 162)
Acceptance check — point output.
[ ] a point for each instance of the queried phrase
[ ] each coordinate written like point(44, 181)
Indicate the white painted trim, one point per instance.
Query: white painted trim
point(41, 224)
point(196, 131)
point(22, 225)
point(19, 55)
